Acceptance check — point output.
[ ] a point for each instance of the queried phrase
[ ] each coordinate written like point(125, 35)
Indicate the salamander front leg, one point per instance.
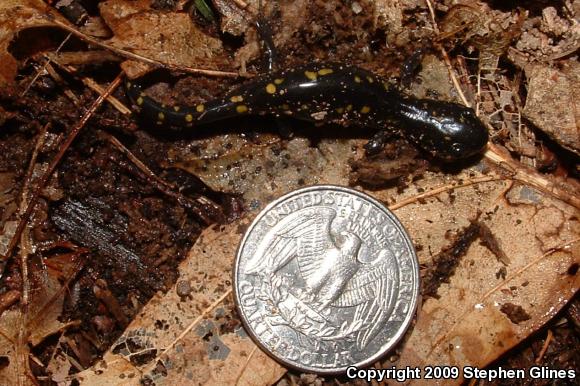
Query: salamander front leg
point(285, 129)
point(412, 64)
point(376, 144)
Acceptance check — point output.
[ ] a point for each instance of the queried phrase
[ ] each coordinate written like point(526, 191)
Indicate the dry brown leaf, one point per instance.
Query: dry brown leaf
point(472, 313)
point(190, 333)
point(266, 170)
point(12, 372)
point(18, 330)
point(167, 37)
point(467, 325)
point(15, 16)
point(560, 120)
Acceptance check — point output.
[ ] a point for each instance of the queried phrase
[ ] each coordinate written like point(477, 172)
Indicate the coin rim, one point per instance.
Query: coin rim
point(386, 347)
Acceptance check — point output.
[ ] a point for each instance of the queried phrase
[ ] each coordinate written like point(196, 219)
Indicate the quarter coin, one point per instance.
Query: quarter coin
point(326, 277)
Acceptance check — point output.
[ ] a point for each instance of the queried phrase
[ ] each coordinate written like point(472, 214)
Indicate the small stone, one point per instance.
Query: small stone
point(183, 288)
point(356, 7)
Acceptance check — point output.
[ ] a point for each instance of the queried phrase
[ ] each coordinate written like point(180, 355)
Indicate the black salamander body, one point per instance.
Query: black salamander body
point(327, 92)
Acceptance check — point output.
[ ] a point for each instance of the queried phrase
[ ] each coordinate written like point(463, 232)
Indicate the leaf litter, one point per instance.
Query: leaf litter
point(502, 238)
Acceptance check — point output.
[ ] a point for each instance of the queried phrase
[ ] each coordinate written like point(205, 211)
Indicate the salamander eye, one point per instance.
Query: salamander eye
point(456, 148)
point(468, 113)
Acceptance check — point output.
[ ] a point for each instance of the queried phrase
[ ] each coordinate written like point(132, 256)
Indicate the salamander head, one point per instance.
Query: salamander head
point(446, 130)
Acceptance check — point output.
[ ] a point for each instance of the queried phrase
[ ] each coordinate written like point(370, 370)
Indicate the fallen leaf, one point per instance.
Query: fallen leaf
point(467, 316)
point(16, 16)
point(12, 360)
point(561, 120)
point(167, 37)
point(19, 331)
point(468, 324)
point(262, 169)
point(190, 333)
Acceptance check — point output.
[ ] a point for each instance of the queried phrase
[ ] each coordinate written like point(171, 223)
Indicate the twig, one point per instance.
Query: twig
point(453, 77)
point(545, 347)
point(243, 369)
point(446, 58)
point(40, 70)
point(200, 204)
point(530, 177)
point(23, 199)
point(90, 83)
point(432, 13)
point(241, 4)
point(67, 91)
point(441, 189)
point(186, 330)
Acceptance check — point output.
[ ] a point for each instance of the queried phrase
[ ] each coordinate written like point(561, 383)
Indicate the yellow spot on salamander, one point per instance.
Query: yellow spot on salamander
point(325, 71)
point(310, 75)
point(242, 109)
point(340, 110)
point(161, 116)
point(189, 118)
point(370, 79)
point(365, 109)
point(349, 108)
point(129, 84)
point(278, 81)
point(386, 86)
point(237, 98)
point(357, 79)
point(199, 108)
point(139, 101)
point(176, 108)
point(270, 88)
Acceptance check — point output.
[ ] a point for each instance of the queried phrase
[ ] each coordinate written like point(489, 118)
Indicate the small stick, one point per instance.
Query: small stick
point(198, 204)
point(446, 58)
point(90, 83)
point(545, 347)
point(40, 70)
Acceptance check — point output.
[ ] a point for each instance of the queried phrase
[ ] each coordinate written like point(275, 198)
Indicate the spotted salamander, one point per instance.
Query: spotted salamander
point(329, 92)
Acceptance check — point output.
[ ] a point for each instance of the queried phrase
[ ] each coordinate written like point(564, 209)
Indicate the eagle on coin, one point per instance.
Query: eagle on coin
point(331, 267)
